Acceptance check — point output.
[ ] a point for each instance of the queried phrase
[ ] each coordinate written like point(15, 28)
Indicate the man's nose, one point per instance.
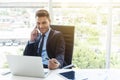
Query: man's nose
point(41, 26)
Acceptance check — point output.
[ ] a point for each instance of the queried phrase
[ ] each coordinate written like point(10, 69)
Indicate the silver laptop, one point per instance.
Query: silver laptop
point(26, 66)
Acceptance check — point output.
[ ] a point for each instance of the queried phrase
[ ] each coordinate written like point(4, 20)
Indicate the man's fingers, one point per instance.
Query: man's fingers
point(34, 34)
point(53, 61)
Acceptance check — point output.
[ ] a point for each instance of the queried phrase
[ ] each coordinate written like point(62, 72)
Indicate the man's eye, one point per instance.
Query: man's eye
point(38, 23)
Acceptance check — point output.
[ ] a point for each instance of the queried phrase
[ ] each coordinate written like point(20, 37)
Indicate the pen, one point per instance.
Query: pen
point(49, 58)
point(68, 66)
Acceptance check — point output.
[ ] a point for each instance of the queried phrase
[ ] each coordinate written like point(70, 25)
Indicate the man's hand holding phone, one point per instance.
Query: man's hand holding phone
point(34, 34)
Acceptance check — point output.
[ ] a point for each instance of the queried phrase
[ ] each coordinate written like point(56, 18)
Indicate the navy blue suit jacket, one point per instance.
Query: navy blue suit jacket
point(55, 47)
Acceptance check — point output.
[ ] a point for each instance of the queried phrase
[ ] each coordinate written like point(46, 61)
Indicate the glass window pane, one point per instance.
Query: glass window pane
point(16, 25)
point(90, 34)
point(115, 50)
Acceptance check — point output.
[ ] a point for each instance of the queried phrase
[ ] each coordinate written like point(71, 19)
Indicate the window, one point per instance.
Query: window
point(16, 23)
point(96, 24)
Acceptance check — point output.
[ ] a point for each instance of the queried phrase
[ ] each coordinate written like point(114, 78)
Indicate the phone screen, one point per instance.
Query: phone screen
point(69, 75)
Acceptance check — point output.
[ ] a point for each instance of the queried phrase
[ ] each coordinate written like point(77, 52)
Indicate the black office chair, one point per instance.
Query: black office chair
point(68, 33)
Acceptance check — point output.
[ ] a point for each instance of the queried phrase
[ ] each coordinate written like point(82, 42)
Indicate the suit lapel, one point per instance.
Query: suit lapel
point(50, 36)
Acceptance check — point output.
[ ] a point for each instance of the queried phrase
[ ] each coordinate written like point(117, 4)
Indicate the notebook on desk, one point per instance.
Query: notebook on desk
point(26, 66)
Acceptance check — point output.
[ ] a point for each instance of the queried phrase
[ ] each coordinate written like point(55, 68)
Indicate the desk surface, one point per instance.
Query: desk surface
point(80, 74)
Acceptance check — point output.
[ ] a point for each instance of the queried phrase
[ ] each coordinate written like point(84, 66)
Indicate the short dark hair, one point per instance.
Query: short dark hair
point(42, 13)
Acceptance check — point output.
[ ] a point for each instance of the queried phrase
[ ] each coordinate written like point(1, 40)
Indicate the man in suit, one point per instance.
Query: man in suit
point(53, 48)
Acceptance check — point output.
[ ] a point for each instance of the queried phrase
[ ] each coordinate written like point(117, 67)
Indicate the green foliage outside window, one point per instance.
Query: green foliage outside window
point(84, 57)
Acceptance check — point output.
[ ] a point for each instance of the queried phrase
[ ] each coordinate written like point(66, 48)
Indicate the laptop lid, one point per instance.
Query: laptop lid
point(26, 66)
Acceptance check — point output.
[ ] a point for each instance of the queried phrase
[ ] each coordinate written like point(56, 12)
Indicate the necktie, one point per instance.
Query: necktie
point(41, 45)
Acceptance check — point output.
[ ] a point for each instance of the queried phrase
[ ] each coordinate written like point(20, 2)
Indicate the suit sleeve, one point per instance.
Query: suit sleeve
point(30, 49)
point(60, 49)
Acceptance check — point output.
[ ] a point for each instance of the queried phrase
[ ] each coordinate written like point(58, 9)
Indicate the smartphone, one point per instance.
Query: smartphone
point(69, 75)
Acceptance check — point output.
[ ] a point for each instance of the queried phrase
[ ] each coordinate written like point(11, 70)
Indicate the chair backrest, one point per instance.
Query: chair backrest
point(68, 34)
